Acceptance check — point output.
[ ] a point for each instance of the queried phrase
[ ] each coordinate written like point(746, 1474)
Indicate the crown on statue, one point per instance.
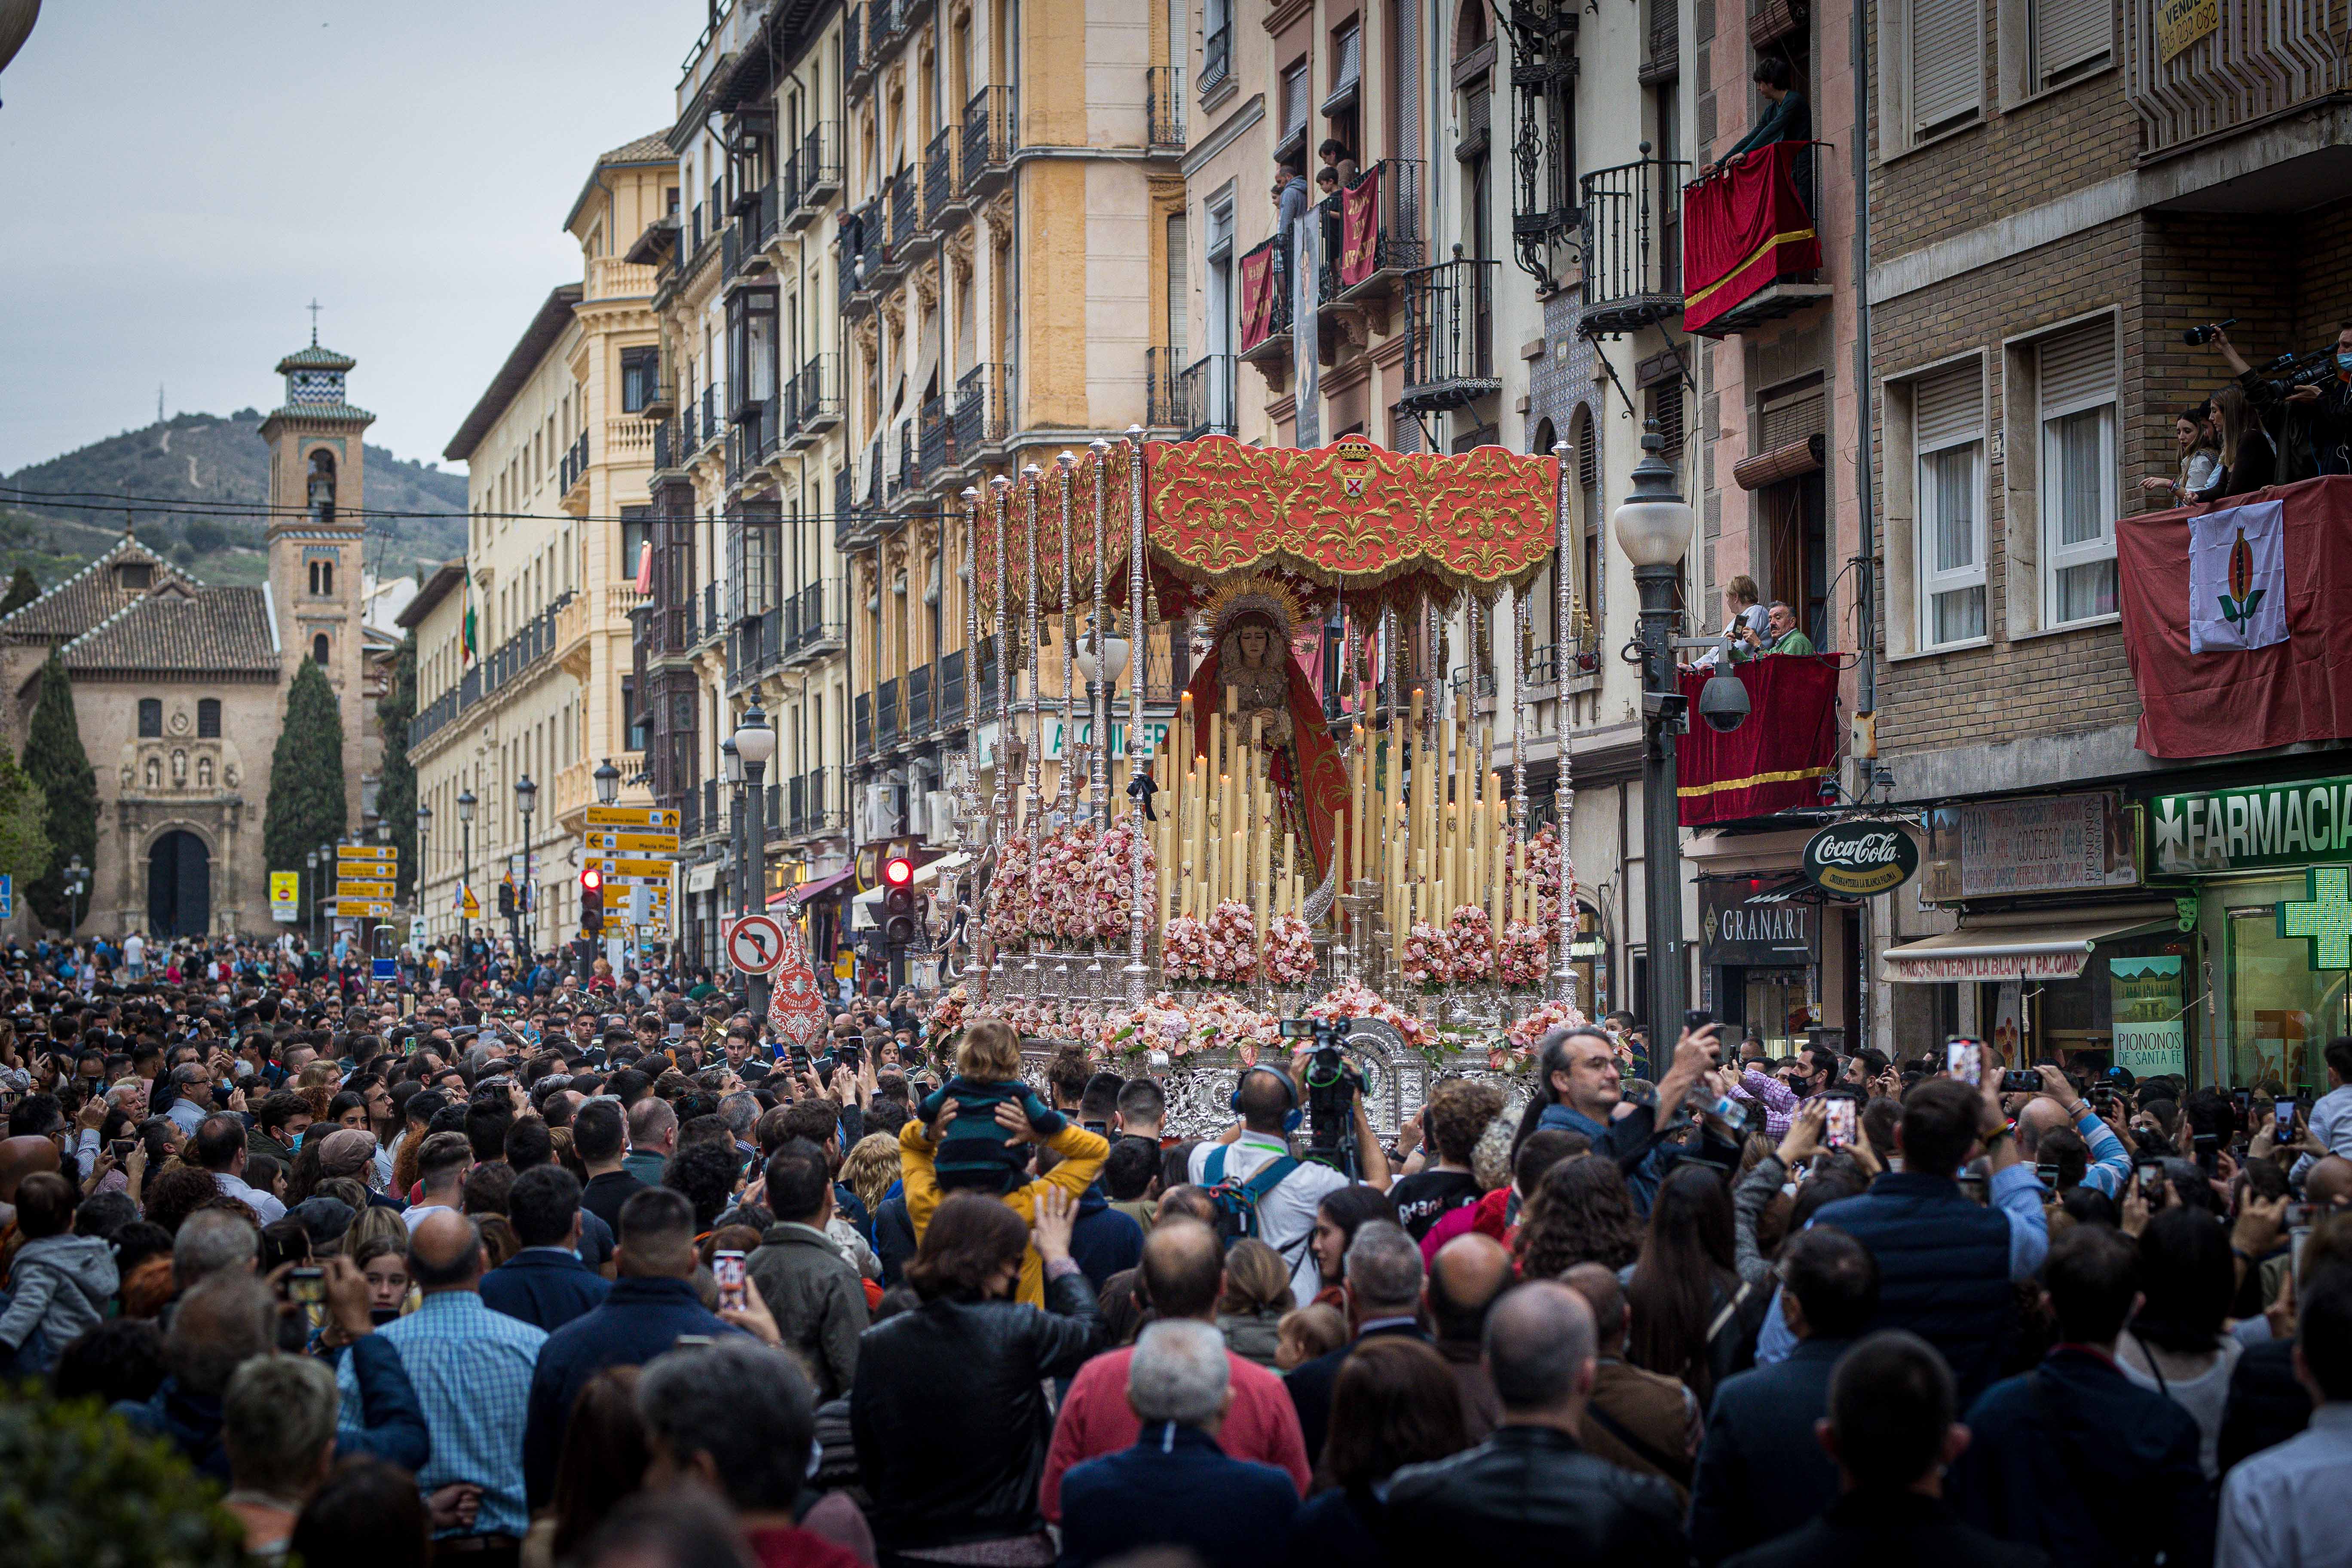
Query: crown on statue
point(1253, 597)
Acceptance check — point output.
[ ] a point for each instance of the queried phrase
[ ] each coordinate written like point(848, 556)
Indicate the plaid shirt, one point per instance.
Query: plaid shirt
point(472, 1370)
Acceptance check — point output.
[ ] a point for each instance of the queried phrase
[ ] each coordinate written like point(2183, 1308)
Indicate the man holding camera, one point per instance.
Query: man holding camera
point(2316, 399)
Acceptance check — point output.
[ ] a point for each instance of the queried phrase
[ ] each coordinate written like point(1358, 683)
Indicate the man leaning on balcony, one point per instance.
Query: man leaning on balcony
point(1780, 635)
point(1786, 117)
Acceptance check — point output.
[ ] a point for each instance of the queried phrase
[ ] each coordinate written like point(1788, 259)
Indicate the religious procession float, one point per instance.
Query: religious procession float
point(1355, 862)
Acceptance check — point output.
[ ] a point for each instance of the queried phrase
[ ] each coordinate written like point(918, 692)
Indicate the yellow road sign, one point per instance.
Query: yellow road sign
point(361, 909)
point(285, 887)
point(365, 889)
point(648, 868)
point(655, 818)
point(633, 843)
point(473, 906)
point(367, 851)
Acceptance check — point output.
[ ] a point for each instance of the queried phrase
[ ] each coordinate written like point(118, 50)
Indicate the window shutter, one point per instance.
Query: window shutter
point(2078, 368)
point(1179, 289)
point(1666, 408)
point(1792, 419)
point(1946, 63)
point(1947, 406)
point(2068, 35)
point(1588, 457)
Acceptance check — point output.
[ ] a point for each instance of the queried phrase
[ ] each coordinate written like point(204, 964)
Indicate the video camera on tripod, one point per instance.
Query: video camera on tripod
point(1332, 1087)
point(2289, 371)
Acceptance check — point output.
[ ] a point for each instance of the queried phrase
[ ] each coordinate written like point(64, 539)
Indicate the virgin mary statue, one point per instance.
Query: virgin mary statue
point(1250, 664)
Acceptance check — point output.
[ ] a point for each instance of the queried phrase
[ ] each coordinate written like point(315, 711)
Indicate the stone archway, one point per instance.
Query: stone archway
point(179, 885)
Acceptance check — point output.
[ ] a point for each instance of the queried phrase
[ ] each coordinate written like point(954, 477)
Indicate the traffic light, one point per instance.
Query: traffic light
point(898, 901)
point(591, 899)
point(506, 900)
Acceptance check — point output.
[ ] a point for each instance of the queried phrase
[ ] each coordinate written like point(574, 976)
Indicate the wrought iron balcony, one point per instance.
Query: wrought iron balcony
point(877, 247)
point(1392, 245)
point(941, 189)
point(1450, 334)
point(861, 723)
point(1204, 397)
point(816, 621)
point(1161, 372)
point(1265, 332)
point(1216, 60)
point(984, 408)
point(812, 175)
point(906, 202)
point(919, 701)
point(816, 398)
point(936, 440)
point(857, 58)
point(988, 136)
point(952, 695)
point(1163, 108)
point(1631, 231)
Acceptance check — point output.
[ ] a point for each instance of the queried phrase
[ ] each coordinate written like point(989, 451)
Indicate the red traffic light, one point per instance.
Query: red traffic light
point(897, 871)
point(591, 879)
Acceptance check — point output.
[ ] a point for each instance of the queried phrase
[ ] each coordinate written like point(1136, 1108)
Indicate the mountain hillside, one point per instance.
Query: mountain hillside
point(220, 460)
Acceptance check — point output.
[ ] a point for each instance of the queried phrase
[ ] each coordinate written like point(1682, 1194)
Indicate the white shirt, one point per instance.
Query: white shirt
point(265, 1207)
point(2283, 1507)
point(1286, 1216)
point(421, 1213)
point(134, 950)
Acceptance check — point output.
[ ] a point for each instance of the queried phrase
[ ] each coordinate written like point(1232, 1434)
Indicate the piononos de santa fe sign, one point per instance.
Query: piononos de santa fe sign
point(1857, 860)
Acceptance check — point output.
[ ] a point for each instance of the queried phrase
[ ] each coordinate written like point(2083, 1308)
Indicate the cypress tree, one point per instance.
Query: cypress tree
point(60, 771)
point(23, 589)
point(306, 775)
point(396, 786)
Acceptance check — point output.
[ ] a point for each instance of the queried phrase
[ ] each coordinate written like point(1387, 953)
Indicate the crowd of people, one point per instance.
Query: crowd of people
point(553, 1274)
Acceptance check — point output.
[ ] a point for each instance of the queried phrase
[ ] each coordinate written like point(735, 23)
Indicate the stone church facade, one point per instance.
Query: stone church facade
point(180, 687)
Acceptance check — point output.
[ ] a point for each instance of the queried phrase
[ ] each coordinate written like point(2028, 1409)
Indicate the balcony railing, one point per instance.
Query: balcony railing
point(983, 685)
point(935, 439)
point(988, 134)
point(814, 803)
point(940, 186)
point(876, 244)
point(908, 468)
point(886, 715)
point(1216, 58)
point(862, 724)
point(1266, 334)
point(1395, 243)
point(711, 429)
point(2257, 65)
point(812, 175)
point(573, 466)
point(1632, 266)
point(814, 401)
point(712, 626)
point(906, 201)
point(1161, 372)
point(983, 407)
point(1204, 397)
point(815, 622)
point(952, 694)
point(848, 244)
point(1450, 334)
point(919, 701)
point(856, 58)
point(1163, 108)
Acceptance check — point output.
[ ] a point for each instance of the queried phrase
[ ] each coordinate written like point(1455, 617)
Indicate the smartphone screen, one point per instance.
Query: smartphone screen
point(1838, 1130)
point(2284, 1111)
point(1964, 1060)
point(726, 1269)
point(2151, 1181)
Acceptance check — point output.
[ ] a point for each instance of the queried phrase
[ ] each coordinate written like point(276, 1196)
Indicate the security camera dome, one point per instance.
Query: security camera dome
point(1723, 702)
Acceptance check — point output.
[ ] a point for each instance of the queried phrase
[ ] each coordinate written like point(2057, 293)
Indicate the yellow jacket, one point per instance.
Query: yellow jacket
point(1082, 1154)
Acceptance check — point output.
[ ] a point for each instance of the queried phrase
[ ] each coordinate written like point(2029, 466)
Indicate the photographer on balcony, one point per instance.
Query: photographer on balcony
point(2310, 414)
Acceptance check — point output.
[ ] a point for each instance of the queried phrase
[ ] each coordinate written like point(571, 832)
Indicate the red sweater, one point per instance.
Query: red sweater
point(1261, 1424)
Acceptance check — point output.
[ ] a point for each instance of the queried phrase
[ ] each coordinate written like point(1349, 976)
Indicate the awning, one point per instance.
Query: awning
point(702, 878)
point(809, 892)
point(2046, 945)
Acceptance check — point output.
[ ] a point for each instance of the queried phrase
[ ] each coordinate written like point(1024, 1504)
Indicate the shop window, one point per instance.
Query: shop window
point(2283, 1012)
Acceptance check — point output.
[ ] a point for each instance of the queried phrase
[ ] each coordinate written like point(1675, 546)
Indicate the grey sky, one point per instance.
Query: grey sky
point(182, 176)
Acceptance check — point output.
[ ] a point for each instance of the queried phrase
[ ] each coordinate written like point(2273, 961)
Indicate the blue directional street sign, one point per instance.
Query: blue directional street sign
point(7, 895)
point(384, 969)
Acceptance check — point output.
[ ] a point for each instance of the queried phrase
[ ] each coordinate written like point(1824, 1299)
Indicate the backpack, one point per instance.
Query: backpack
point(1236, 1200)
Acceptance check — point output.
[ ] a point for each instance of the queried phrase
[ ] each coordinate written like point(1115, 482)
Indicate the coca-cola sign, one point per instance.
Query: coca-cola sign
point(1856, 859)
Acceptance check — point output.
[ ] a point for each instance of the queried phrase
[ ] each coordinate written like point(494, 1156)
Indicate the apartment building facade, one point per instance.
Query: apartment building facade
point(2132, 176)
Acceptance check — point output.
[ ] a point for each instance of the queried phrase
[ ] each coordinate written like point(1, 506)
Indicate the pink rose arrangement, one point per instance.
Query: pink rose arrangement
point(949, 1012)
point(1009, 911)
point(1110, 880)
point(1233, 943)
point(1428, 956)
point(1184, 951)
point(1290, 952)
point(1063, 886)
point(1354, 999)
point(1470, 935)
point(1223, 1022)
point(1529, 1030)
point(1521, 965)
point(1160, 1023)
point(1543, 871)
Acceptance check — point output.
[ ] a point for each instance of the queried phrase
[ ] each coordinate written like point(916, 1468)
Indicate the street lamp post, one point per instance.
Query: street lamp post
point(327, 875)
point(1653, 527)
point(417, 879)
point(730, 768)
point(77, 883)
point(755, 742)
point(466, 804)
point(312, 856)
point(526, 799)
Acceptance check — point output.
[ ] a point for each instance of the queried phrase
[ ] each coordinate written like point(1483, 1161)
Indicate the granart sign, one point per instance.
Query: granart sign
point(1856, 859)
point(2252, 827)
point(1741, 925)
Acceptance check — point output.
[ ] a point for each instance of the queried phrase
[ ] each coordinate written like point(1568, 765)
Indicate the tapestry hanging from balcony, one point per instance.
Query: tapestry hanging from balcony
point(1777, 758)
point(1745, 226)
point(1359, 228)
point(2231, 623)
point(1257, 297)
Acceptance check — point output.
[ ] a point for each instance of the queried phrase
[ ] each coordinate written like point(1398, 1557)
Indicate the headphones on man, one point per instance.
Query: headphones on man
point(1292, 1118)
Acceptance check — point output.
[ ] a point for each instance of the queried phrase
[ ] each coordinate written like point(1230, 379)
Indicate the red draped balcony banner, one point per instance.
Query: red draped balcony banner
point(1774, 760)
point(1359, 228)
point(1743, 227)
point(2232, 620)
point(1257, 297)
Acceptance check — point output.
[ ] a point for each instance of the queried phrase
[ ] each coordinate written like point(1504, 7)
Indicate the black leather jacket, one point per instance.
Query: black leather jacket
point(950, 1413)
point(1532, 1494)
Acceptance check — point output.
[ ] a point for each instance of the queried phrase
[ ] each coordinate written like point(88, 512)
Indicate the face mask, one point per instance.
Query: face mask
point(2344, 361)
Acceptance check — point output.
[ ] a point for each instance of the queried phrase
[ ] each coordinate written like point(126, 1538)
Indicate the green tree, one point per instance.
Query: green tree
point(59, 769)
point(79, 1486)
point(23, 834)
point(306, 775)
point(396, 786)
point(23, 589)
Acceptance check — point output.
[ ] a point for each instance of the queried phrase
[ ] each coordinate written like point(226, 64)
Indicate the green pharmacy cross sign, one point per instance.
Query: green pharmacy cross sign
point(2325, 917)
